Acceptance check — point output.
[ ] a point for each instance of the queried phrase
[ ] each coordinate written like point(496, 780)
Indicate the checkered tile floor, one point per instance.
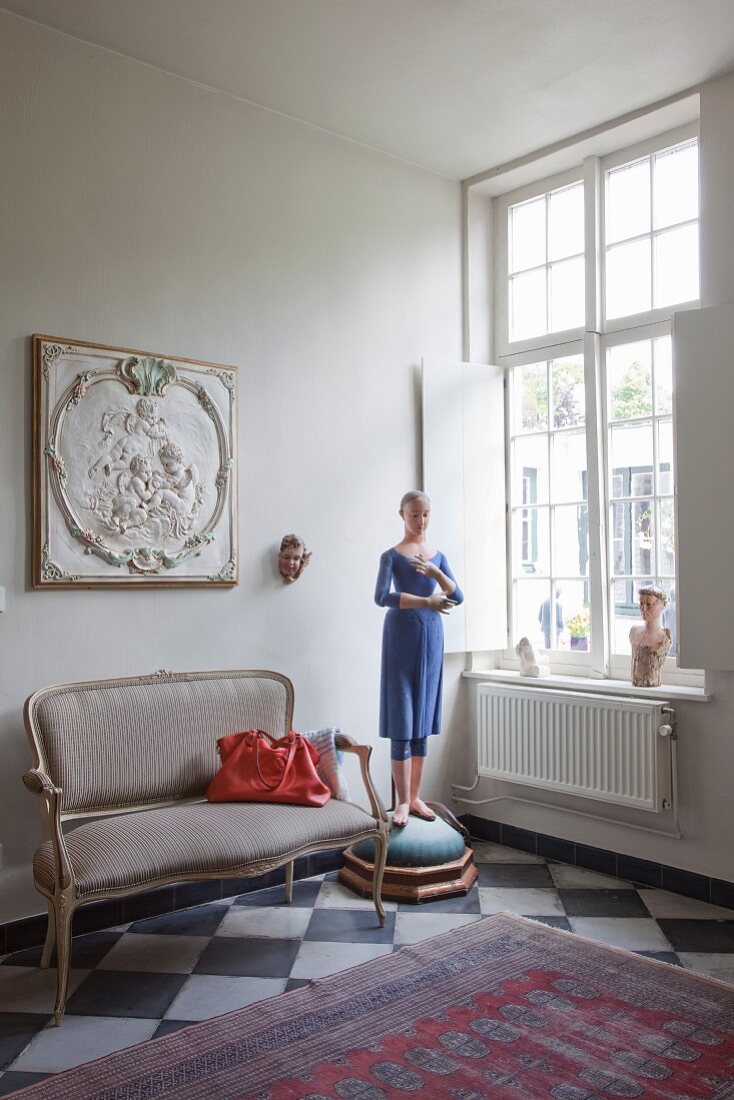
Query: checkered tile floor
point(147, 979)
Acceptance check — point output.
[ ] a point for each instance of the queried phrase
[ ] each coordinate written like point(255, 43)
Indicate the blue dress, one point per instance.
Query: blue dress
point(412, 650)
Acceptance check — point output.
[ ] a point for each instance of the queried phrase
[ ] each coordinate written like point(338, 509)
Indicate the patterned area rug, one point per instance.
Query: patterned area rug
point(503, 1008)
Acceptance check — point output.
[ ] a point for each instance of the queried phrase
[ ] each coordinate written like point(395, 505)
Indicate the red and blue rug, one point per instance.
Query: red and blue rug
point(503, 1008)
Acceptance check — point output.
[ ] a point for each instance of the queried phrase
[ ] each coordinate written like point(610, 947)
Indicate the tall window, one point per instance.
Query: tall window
point(592, 480)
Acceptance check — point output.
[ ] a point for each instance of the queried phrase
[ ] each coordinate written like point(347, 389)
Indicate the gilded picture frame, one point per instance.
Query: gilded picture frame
point(135, 468)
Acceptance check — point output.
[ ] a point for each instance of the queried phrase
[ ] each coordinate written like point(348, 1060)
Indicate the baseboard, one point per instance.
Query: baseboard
point(640, 871)
point(31, 931)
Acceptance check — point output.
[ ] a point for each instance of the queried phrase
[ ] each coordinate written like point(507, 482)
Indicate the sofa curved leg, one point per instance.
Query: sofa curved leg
point(289, 882)
point(50, 940)
point(378, 873)
point(64, 914)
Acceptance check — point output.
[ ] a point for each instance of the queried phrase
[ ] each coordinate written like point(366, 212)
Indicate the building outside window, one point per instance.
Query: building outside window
point(583, 328)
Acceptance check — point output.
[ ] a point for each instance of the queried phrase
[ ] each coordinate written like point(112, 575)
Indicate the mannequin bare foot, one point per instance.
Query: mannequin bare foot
point(419, 809)
point(400, 816)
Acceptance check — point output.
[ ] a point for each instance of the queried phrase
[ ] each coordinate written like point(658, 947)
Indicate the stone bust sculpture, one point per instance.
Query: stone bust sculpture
point(293, 557)
point(528, 661)
point(650, 642)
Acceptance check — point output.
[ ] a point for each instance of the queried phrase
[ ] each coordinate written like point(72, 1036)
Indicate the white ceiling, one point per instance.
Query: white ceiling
point(457, 86)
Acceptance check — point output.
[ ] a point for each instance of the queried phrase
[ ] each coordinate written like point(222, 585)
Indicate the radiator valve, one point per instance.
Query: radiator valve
point(666, 731)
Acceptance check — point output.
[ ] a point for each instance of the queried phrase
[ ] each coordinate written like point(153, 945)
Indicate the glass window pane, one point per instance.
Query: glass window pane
point(566, 222)
point(527, 234)
point(571, 540)
point(530, 541)
point(530, 470)
point(643, 537)
point(625, 612)
point(628, 201)
point(528, 306)
point(550, 618)
point(666, 477)
point(675, 186)
point(621, 525)
point(567, 289)
point(576, 634)
point(628, 279)
point(663, 355)
point(569, 480)
point(569, 395)
point(670, 614)
point(666, 563)
point(629, 375)
point(529, 598)
point(676, 266)
point(531, 397)
point(631, 455)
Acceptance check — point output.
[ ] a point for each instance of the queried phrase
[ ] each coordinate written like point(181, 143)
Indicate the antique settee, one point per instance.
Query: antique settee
point(132, 758)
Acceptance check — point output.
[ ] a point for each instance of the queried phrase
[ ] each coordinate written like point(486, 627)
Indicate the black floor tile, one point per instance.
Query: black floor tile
point(522, 875)
point(16, 1031)
point(252, 957)
point(25, 933)
point(603, 903)
point(464, 903)
point(522, 839)
point(14, 1079)
point(481, 829)
point(722, 893)
point(167, 1027)
point(349, 926)
point(304, 896)
point(563, 851)
point(125, 993)
point(200, 921)
point(296, 983)
point(197, 893)
point(715, 936)
point(661, 956)
point(86, 951)
point(149, 904)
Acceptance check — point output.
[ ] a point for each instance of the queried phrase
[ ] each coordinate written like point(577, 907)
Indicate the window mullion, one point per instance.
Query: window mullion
point(596, 465)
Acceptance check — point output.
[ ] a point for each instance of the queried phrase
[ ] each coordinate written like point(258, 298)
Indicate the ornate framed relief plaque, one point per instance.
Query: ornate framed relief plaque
point(135, 468)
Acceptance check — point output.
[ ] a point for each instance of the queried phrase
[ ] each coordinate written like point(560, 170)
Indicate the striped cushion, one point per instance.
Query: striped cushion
point(140, 849)
point(117, 743)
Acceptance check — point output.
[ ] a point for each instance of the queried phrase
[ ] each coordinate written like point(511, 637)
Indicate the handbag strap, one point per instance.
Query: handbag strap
point(292, 744)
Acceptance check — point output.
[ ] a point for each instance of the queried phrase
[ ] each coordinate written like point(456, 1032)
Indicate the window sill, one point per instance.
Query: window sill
point(666, 692)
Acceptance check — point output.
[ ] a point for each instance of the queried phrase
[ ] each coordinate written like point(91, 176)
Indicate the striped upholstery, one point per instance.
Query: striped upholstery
point(120, 743)
point(117, 853)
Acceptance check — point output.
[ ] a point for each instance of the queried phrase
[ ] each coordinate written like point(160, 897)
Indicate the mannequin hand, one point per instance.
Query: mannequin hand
point(421, 564)
point(438, 601)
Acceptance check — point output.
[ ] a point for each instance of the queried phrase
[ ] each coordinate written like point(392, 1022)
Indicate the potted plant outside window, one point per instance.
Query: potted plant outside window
point(579, 627)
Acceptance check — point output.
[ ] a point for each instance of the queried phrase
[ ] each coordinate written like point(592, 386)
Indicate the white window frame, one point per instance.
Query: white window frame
point(593, 340)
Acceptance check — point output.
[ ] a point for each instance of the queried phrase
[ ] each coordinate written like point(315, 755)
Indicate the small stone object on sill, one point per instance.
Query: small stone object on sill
point(528, 661)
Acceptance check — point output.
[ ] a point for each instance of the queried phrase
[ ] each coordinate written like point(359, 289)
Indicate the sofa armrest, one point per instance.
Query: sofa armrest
point(348, 744)
point(38, 783)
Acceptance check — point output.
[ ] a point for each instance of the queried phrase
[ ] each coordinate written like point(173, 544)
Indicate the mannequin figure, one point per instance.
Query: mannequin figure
point(417, 587)
point(650, 642)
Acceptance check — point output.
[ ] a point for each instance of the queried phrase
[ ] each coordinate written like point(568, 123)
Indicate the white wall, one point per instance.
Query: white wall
point(142, 211)
point(706, 730)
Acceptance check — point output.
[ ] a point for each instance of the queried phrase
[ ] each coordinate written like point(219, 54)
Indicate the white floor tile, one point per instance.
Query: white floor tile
point(578, 878)
point(632, 933)
point(159, 953)
point(30, 989)
point(81, 1039)
point(333, 895)
point(485, 851)
point(316, 959)
point(526, 902)
point(661, 903)
point(414, 927)
point(711, 965)
point(252, 920)
point(205, 995)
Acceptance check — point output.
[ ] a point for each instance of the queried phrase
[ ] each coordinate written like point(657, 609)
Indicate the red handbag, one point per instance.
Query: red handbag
point(259, 768)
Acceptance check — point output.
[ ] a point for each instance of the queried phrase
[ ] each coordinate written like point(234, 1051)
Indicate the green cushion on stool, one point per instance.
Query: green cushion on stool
point(419, 844)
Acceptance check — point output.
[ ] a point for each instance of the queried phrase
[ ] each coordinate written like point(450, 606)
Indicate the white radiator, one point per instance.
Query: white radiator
point(599, 746)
